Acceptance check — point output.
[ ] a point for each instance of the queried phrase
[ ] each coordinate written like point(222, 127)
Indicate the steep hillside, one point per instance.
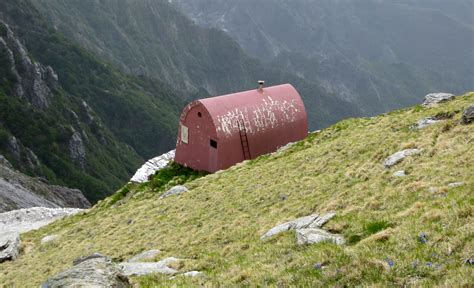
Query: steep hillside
point(415, 229)
point(377, 54)
point(153, 38)
point(70, 117)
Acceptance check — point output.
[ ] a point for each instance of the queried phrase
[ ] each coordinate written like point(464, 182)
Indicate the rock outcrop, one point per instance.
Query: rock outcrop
point(94, 271)
point(9, 246)
point(436, 98)
point(398, 157)
point(151, 166)
point(36, 80)
point(468, 115)
point(311, 221)
point(18, 190)
point(77, 150)
point(174, 191)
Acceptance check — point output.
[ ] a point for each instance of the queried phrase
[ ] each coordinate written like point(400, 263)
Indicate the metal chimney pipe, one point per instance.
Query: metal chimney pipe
point(260, 85)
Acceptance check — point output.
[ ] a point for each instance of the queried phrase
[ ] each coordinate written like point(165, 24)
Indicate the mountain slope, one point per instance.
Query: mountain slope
point(377, 54)
point(153, 38)
point(70, 117)
point(412, 230)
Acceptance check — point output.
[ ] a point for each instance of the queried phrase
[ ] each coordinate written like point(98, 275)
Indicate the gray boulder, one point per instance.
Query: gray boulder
point(396, 158)
point(49, 238)
point(436, 98)
point(91, 271)
point(455, 184)
point(174, 191)
point(144, 256)
point(9, 246)
point(311, 221)
point(315, 235)
point(161, 267)
point(399, 173)
point(468, 115)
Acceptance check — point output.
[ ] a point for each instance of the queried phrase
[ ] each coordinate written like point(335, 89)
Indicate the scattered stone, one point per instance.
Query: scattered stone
point(144, 256)
point(399, 173)
point(151, 166)
point(468, 115)
point(283, 197)
point(49, 238)
point(312, 221)
point(161, 267)
point(9, 247)
point(90, 271)
point(455, 184)
point(137, 269)
point(425, 122)
point(174, 191)
point(436, 98)
point(469, 261)
point(192, 274)
point(396, 158)
point(433, 189)
point(315, 235)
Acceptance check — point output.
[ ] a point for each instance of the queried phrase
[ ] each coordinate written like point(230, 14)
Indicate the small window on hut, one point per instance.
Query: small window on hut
point(184, 134)
point(199, 114)
point(213, 143)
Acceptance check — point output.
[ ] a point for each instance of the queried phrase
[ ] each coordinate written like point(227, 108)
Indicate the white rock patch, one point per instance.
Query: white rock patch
point(151, 166)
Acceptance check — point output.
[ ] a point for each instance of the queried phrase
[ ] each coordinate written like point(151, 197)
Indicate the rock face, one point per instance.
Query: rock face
point(311, 221)
point(77, 151)
point(151, 166)
point(436, 98)
point(468, 115)
point(95, 271)
point(36, 81)
point(314, 235)
point(18, 191)
point(396, 158)
point(9, 246)
point(174, 191)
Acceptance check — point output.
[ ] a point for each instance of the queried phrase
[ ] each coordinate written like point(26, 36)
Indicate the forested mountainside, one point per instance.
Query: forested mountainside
point(379, 55)
point(154, 38)
point(70, 117)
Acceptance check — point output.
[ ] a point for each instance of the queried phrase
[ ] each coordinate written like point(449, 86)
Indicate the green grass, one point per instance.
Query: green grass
point(216, 226)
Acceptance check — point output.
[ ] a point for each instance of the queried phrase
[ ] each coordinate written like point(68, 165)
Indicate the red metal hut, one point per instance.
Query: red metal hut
point(218, 132)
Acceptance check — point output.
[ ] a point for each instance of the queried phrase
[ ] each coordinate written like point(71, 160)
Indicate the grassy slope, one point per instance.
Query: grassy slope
point(217, 226)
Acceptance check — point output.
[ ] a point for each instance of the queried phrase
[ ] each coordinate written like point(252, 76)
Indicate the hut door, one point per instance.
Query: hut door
point(212, 155)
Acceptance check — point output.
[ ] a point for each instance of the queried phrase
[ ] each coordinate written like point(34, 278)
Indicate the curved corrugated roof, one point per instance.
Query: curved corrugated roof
point(258, 110)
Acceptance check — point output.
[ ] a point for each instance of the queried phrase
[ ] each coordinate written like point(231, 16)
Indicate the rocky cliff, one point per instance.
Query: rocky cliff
point(18, 190)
